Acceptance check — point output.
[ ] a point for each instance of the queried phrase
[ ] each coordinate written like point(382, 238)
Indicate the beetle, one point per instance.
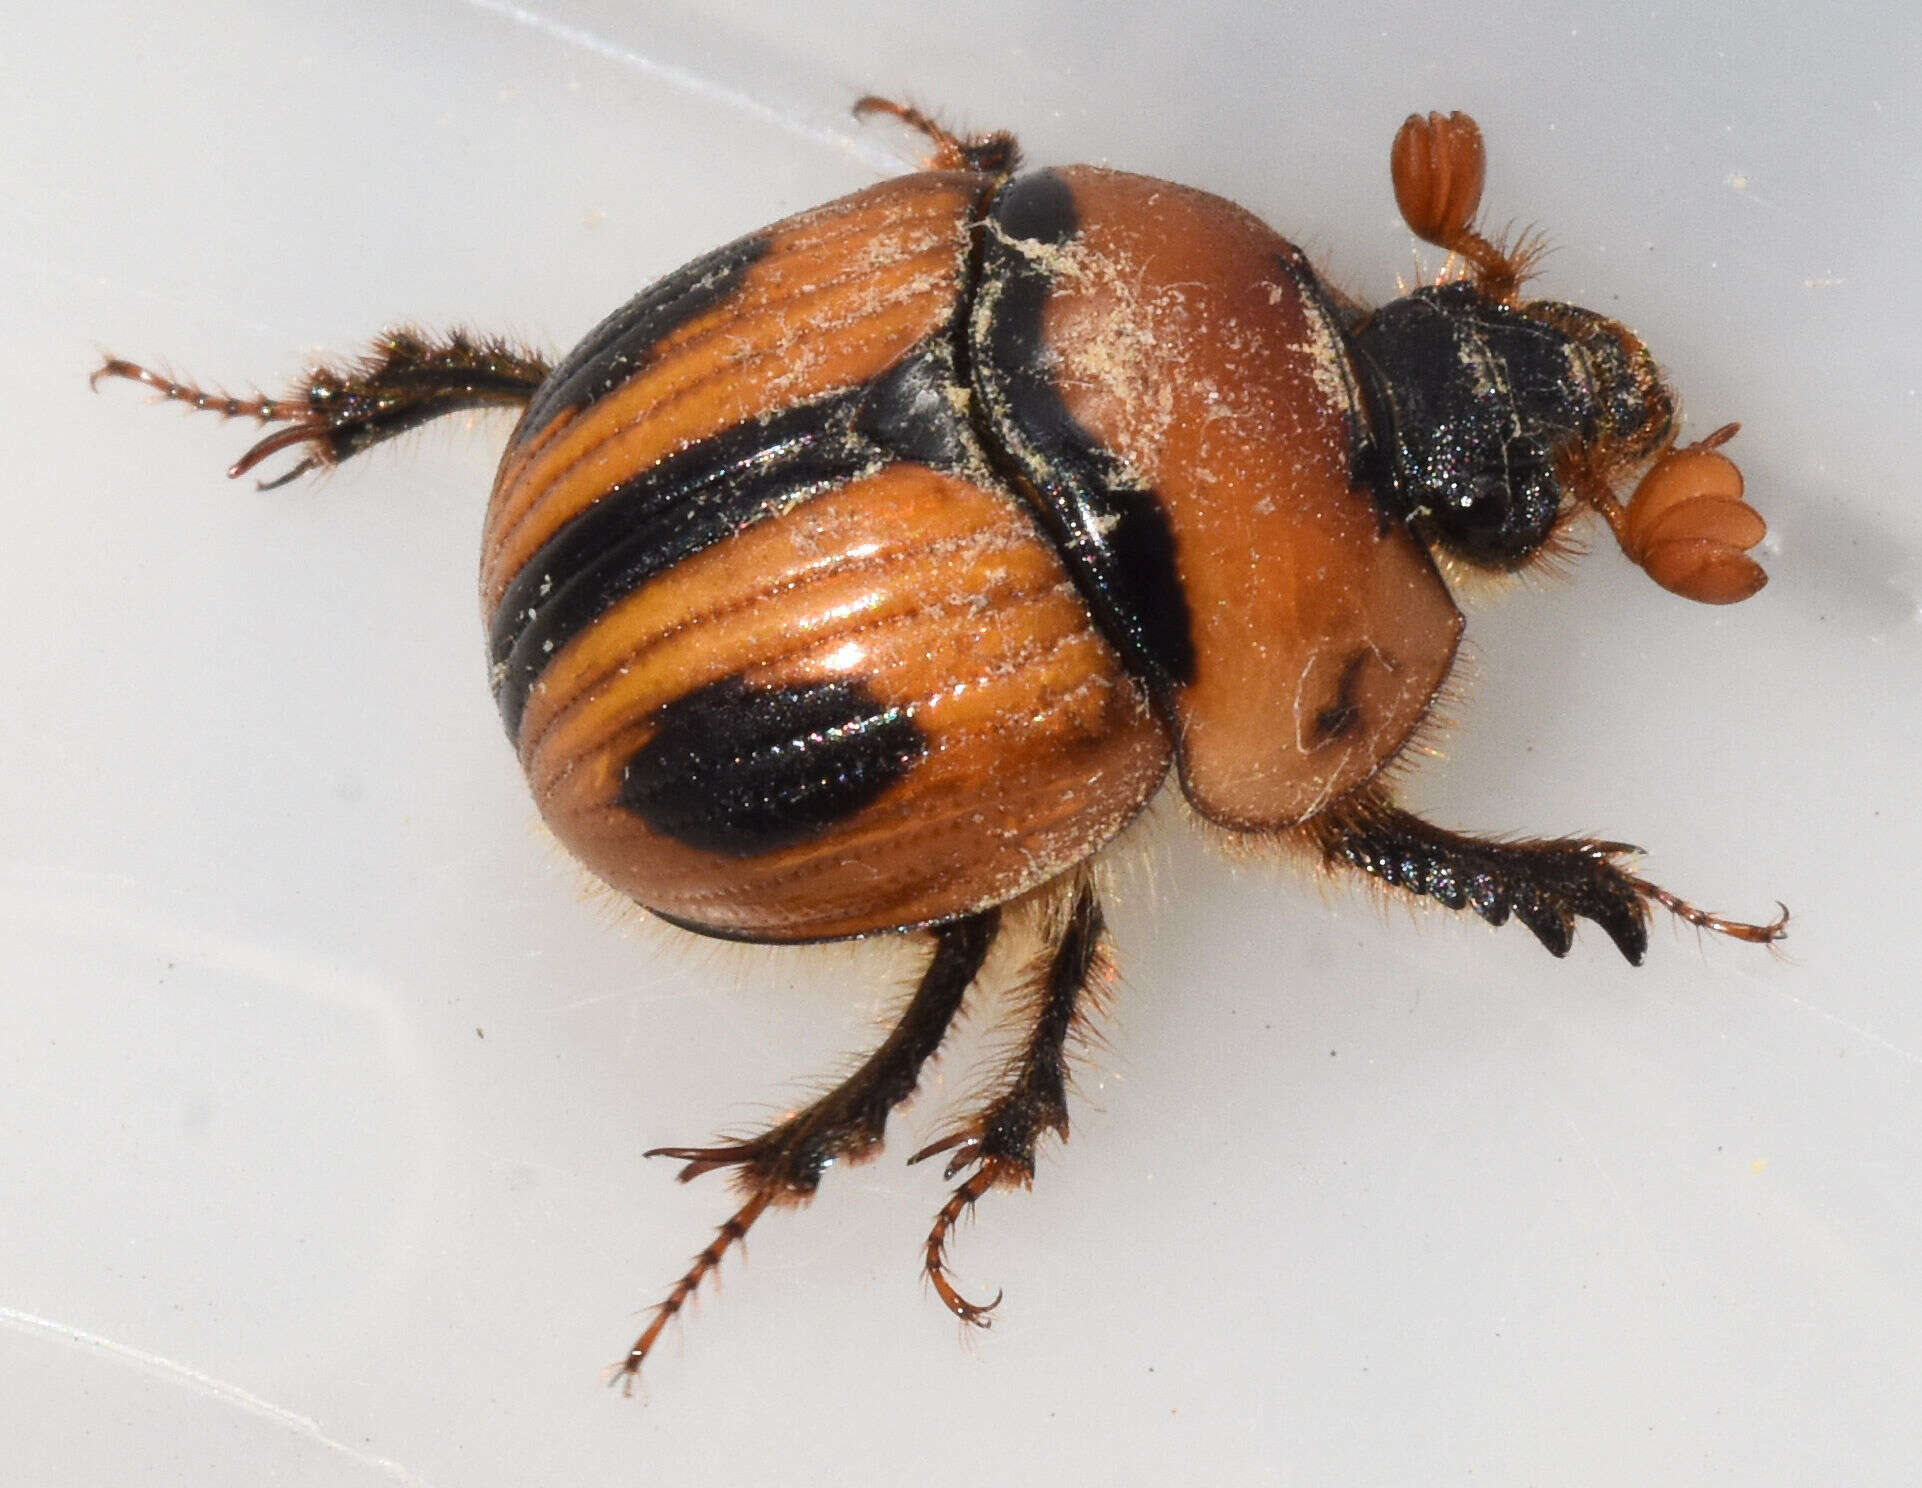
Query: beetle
point(868, 575)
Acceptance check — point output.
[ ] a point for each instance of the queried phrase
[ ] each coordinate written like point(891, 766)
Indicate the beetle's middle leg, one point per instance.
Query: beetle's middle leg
point(406, 379)
point(999, 1140)
point(995, 153)
point(784, 1164)
point(1546, 883)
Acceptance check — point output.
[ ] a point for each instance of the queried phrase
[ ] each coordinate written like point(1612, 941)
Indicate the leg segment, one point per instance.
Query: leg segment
point(1545, 883)
point(997, 154)
point(405, 380)
point(784, 1164)
point(999, 1140)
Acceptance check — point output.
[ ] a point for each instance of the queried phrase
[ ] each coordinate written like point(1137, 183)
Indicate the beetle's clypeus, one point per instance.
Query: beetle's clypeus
point(872, 572)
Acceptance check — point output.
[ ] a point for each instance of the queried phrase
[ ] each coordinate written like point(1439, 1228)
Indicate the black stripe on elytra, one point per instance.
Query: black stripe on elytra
point(658, 518)
point(1112, 534)
point(745, 771)
point(714, 488)
point(619, 345)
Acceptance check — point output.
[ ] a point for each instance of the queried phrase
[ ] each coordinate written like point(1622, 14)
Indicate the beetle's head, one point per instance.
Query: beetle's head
point(1480, 408)
point(1490, 415)
point(1633, 409)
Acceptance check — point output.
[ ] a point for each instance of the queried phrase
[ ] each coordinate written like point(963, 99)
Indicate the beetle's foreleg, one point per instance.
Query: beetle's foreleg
point(784, 1164)
point(999, 1141)
point(1546, 883)
point(406, 379)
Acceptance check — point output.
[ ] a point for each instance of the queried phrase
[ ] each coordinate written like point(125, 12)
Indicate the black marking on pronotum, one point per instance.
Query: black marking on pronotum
point(1341, 715)
point(747, 770)
point(1112, 534)
point(1369, 463)
point(619, 345)
point(656, 519)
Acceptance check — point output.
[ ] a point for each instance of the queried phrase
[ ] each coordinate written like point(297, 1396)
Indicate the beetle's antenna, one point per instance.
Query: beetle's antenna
point(1439, 165)
point(1687, 525)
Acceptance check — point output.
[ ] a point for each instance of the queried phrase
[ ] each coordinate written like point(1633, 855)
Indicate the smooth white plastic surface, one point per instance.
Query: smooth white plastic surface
point(326, 1082)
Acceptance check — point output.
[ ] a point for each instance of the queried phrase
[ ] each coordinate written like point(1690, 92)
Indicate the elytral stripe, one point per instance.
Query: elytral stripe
point(879, 271)
point(746, 771)
point(924, 825)
point(617, 347)
point(769, 597)
point(695, 396)
point(647, 524)
point(798, 635)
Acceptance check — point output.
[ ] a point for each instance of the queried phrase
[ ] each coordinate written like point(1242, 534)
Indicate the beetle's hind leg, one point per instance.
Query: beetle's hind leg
point(996, 153)
point(998, 1141)
point(406, 379)
point(784, 1164)
point(1546, 883)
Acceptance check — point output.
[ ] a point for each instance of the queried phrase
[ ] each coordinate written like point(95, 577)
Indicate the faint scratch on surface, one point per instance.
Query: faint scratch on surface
point(593, 999)
point(98, 908)
point(1855, 1028)
point(218, 1389)
point(688, 81)
point(1739, 182)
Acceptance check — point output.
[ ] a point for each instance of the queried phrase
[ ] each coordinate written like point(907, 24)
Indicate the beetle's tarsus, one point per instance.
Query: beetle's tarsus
point(259, 407)
point(991, 1172)
point(408, 378)
point(1775, 930)
point(996, 153)
point(998, 1141)
point(784, 1164)
point(305, 428)
point(732, 1232)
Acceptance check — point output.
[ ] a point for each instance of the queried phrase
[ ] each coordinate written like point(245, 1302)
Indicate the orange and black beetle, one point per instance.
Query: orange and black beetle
point(872, 572)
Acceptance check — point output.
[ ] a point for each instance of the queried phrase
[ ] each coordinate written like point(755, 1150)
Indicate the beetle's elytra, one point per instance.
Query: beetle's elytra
point(871, 573)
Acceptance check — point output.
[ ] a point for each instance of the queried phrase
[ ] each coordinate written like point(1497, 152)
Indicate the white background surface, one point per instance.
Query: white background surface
point(1352, 1198)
